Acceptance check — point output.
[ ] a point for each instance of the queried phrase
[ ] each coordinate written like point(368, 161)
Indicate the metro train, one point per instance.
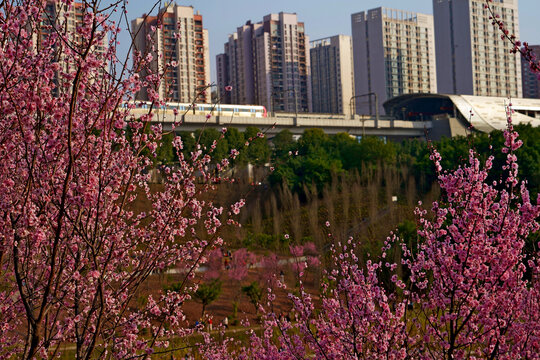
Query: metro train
point(216, 110)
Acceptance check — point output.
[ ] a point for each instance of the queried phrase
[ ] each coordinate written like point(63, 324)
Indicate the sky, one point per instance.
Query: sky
point(322, 18)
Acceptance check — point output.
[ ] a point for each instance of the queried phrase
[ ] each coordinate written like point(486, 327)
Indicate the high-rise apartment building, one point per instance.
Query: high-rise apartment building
point(267, 63)
point(530, 81)
point(180, 38)
point(394, 54)
point(222, 64)
point(63, 19)
point(332, 76)
point(471, 58)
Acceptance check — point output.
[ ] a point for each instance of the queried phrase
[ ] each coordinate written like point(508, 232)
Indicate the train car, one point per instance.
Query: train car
point(214, 109)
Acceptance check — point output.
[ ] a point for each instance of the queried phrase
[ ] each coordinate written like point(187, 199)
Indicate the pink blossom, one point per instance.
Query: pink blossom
point(240, 262)
point(296, 250)
point(84, 252)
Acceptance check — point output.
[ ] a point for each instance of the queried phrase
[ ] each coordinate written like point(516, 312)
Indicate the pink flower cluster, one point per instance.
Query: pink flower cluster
point(463, 292)
point(73, 250)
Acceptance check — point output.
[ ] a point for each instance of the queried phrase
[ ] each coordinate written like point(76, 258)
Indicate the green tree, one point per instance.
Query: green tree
point(313, 141)
point(286, 173)
point(283, 143)
point(316, 162)
point(165, 153)
point(258, 151)
point(254, 293)
point(317, 170)
point(344, 147)
point(235, 140)
point(207, 293)
point(189, 141)
point(206, 139)
point(529, 156)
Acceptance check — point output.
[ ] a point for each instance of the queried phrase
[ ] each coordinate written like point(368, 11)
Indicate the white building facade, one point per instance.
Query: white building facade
point(189, 48)
point(471, 57)
point(332, 76)
point(268, 64)
point(394, 54)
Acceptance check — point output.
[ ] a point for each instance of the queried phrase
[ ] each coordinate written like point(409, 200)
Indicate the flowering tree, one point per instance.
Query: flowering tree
point(466, 294)
point(270, 267)
point(471, 294)
point(471, 289)
point(356, 317)
point(303, 255)
point(73, 252)
point(214, 264)
point(241, 261)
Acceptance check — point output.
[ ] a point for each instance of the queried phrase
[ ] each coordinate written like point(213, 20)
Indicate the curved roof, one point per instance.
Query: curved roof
point(488, 113)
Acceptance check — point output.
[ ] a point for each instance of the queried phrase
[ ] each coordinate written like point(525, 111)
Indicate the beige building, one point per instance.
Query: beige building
point(62, 19)
point(394, 54)
point(267, 64)
point(471, 57)
point(189, 48)
point(65, 20)
point(332, 77)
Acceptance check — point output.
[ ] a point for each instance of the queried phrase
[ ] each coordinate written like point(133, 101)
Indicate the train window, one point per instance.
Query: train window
point(235, 109)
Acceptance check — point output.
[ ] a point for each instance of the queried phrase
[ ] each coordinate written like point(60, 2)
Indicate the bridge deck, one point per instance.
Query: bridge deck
point(331, 124)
